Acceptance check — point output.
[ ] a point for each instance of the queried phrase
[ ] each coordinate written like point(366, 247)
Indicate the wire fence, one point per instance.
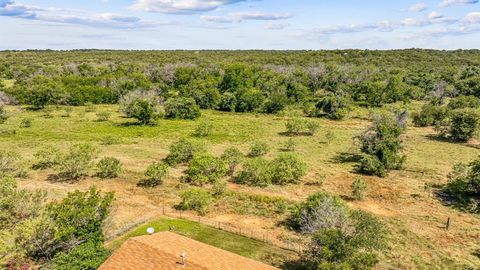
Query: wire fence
point(257, 234)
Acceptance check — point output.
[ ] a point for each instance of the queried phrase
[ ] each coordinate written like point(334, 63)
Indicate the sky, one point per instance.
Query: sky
point(239, 24)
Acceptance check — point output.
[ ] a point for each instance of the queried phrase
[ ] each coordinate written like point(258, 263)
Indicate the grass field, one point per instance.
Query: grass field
point(237, 244)
point(414, 217)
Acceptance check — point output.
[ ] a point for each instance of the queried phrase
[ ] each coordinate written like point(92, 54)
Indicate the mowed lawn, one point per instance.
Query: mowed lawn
point(413, 215)
point(234, 243)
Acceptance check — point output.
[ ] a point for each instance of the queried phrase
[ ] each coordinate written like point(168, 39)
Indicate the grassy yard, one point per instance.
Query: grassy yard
point(238, 244)
point(414, 216)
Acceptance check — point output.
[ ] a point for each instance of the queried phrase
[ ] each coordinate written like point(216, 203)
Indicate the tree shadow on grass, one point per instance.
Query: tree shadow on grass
point(295, 134)
point(464, 202)
point(345, 157)
point(59, 178)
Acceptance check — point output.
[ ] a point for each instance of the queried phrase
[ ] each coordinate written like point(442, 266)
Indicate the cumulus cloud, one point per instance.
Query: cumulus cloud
point(473, 17)
point(435, 15)
point(419, 7)
point(181, 6)
point(10, 8)
point(447, 3)
point(243, 16)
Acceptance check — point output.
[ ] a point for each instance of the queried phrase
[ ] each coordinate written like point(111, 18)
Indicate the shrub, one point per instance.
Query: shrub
point(256, 172)
point(320, 211)
point(287, 168)
point(77, 162)
point(154, 174)
point(3, 114)
point(109, 140)
point(142, 105)
point(90, 107)
point(26, 122)
point(258, 149)
point(182, 108)
point(205, 169)
point(88, 255)
point(381, 144)
point(109, 167)
point(103, 116)
point(11, 164)
point(297, 126)
point(358, 188)
point(463, 102)
point(334, 106)
point(182, 151)
point(219, 188)
point(196, 199)
point(289, 145)
point(464, 185)
point(461, 126)
point(233, 157)
point(430, 115)
point(203, 129)
point(47, 157)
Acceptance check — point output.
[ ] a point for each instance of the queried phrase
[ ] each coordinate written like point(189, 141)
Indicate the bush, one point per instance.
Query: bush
point(26, 122)
point(205, 169)
point(103, 116)
point(297, 126)
point(77, 162)
point(11, 164)
point(142, 105)
point(196, 199)
point(109, 167)
point(320, 211)
point(258, 149)
point(154, 174)
point(381, 144)
point(3, 114)
point(334, 106)
point(203, 129)
point(430, 115)
point(289, 145)
point(461, 126)
point(256, 172)
point(182, 108)
point(219, 188)
point(47, 157)
point(233, 157)
point(182, 151)
point(358, 188)
point(109, 140)
point(67, 111)
point(464, 185)
point(88, 255)
point(463, 102)
point(90, 107)
point(287, 168)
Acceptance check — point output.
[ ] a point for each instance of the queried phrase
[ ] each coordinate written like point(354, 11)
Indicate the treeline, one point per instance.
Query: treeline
point(323, 82)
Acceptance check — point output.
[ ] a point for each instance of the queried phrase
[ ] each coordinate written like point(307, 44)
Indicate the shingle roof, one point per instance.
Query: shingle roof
point(162, 251)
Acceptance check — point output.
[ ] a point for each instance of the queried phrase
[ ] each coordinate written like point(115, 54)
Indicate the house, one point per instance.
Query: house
point(168, 250)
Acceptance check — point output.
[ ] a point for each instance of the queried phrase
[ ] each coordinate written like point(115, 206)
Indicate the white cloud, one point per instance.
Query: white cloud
point(11, 8)
point(276, 26)
point(447, 3)
point(181, 6)
point(419, 7)
point(473, 17)
point(243, 16)
point(435, 15)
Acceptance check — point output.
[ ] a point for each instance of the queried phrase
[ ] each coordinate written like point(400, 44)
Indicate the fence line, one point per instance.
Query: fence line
point(257, 234)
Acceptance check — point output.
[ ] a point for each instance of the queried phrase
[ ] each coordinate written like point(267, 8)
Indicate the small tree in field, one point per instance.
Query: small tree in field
point(255, 172)
point(381, 144)
point(154, 174)
point(233, 157)
point(334, 106)
point(287, 168)
point(141, 105)
point(109, 167)
point(258, 149)
point(196, 199)
point(182, 108)
point(464, 185)
point(182, 151)
point(76, 163)
point(461, 126)
point(358, 189)
point(205, 169)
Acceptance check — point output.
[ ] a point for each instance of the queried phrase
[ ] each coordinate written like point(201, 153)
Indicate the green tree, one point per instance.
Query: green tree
point(182, 108)
point(182, 151)
point(195, 199)
point(154, 174)
point(462, 125)
point(287, 168)
point(87, 256)
point(76, 163)
point(205, 169)
point(109, 167)
point(233, 157)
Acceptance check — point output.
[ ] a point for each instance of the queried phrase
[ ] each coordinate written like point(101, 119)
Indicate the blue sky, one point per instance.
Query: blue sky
point(239, 24)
